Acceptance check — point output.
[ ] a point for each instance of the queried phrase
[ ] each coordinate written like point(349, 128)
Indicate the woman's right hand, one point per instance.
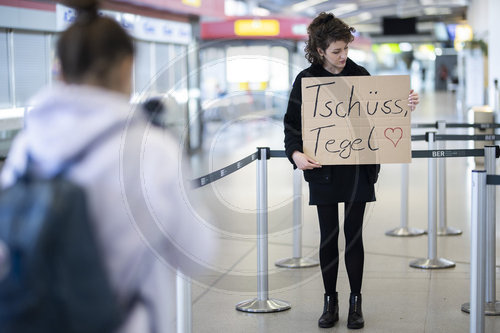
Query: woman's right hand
point(304, 162)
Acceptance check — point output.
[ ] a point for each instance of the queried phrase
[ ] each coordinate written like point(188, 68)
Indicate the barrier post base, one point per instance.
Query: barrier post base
point(405, 232)
point(262, 306)
point(296, 263)
point(427, 263)
point(490, 308)
point(448, 231)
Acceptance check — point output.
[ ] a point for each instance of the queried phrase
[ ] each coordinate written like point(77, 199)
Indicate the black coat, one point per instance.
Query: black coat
point(330, 183)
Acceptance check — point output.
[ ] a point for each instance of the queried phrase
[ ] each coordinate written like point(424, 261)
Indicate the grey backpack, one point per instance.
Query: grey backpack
point(53, 276)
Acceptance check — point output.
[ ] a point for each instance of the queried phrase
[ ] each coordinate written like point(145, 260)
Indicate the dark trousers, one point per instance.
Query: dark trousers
point(329, 252)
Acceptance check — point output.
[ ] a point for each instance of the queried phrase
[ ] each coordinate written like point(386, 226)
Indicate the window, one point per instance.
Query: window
point(142, 70)
point(31, 72)
point(5, 98)
point(163, 67)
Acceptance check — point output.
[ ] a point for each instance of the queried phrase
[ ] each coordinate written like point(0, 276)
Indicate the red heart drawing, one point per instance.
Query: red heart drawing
point(394, 135)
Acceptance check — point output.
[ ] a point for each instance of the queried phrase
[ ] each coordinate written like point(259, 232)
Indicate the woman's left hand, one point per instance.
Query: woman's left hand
point(413, 100)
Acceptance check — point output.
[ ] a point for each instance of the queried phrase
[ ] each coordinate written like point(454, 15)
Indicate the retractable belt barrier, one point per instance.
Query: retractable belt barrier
point(439, 153)
point(263, 303)
point(435, 125)
point(297, 261)
point(493, 179)
point(216, 175)
point(443, 229)
point(458, 137)
point(483, 261)
point(226, 171)
point(183, 303)
point(490, 153)
point(483, 273)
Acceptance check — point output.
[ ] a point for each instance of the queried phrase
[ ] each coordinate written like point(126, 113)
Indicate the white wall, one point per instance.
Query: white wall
point(482, 15)
point(493, 44)
point(476, 17)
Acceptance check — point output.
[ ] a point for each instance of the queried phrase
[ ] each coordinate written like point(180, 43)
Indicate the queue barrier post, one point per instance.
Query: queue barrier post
point(432, 261)
point(403, 230)
point(478, 251)
point(183, 303)
point(297, 261)
point(262, 303)
point(492, 306)
point(443, 228)
point(496, 97)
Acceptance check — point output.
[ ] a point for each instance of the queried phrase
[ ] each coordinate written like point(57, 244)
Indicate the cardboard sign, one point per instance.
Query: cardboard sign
point(356, 119)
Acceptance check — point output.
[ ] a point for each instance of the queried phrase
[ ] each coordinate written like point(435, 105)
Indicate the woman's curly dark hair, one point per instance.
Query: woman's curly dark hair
point(324, 30)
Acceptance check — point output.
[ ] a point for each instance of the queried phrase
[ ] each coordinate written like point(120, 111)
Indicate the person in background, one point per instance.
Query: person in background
point(96, 56)
point(327, 49)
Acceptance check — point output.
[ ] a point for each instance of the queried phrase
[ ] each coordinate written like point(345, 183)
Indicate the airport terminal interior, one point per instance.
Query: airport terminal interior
point(224, 70)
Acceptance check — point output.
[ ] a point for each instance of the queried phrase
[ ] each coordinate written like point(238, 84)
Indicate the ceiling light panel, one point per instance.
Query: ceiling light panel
point(298, 7)
point(451, 3)
point(344, 9)
point(437, 11)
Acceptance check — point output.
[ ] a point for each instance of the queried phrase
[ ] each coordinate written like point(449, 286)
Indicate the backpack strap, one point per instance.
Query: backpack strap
point(30, 170)
point(90, 146)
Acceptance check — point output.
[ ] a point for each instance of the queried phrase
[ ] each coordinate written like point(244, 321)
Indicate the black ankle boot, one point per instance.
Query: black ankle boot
point(330, 311)
point(355, 319)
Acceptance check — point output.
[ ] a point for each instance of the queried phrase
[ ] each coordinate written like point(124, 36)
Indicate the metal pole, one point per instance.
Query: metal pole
point(184, 317)
point(262, 250)
point(478, 249)
point(492, 306)
point(443, 229)
point(496, 97)
point(432, 261)
point(297, 214)
point(25, 116)
point(262, 303)
point(431, 203)
point(405, 194)
point(403, 230)
point(297, 261)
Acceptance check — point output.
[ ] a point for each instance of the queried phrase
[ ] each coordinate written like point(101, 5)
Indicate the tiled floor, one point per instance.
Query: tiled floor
point(396, 297)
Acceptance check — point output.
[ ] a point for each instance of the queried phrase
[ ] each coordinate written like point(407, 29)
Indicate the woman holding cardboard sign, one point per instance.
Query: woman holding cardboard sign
point(326, 50)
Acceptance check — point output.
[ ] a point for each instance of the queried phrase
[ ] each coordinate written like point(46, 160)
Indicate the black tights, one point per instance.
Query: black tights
point(329, 251)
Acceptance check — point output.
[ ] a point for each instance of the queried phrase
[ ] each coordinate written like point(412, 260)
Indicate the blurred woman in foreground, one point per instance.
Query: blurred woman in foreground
point(132, 178)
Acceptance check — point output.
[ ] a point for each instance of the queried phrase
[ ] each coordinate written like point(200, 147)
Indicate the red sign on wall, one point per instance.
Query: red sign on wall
point(256, 28)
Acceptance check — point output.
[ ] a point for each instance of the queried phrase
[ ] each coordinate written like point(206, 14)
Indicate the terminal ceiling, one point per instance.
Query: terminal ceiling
point(367, 15)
